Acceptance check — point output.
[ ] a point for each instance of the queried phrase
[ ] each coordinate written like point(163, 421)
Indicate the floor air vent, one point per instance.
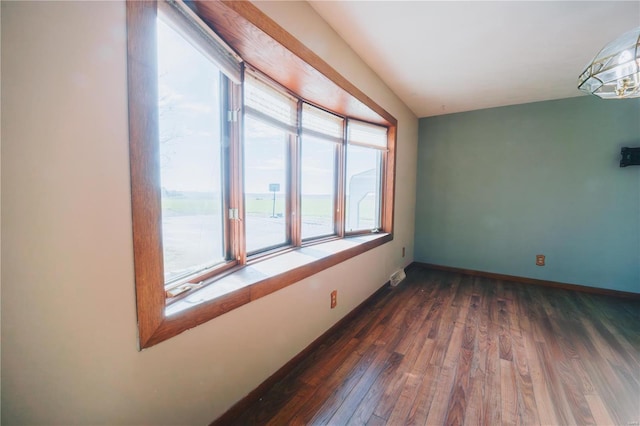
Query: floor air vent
point(397, 277)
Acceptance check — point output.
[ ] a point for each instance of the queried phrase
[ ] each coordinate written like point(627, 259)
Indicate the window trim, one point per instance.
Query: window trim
point(321, 84)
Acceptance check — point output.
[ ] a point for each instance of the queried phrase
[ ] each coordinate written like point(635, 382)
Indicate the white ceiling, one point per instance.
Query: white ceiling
point(445, 57)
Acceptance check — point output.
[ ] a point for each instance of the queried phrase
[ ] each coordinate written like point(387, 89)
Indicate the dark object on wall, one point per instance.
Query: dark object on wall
point(630, 157)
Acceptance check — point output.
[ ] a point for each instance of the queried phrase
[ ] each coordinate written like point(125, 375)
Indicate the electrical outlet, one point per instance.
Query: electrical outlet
point(540, 259)
point(334, 298)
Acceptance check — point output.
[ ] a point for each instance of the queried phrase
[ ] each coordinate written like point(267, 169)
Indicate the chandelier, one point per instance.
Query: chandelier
point(614, 73)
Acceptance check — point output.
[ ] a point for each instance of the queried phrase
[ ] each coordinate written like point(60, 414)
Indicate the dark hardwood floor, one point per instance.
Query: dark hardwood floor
point(447, 348)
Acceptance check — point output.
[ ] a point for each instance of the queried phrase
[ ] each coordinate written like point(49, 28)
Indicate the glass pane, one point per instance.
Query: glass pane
point(318, 174)
point(190, 157)
point(265, 185)
point(363, 188)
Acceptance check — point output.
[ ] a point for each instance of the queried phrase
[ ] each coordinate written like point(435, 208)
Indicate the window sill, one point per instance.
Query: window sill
point(257, 280)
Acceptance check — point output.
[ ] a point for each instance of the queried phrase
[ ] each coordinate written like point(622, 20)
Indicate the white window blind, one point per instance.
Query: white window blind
point(319, 123)
point(361, 133)
point(268, 104)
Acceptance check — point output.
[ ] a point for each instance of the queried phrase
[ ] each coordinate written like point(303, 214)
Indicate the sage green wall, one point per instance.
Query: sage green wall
point(495, 187)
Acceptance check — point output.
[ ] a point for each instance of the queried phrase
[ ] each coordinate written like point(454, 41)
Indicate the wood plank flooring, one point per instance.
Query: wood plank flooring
point(447, 348)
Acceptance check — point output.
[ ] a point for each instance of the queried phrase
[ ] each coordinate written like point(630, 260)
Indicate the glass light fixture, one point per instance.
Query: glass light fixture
point(614, 73)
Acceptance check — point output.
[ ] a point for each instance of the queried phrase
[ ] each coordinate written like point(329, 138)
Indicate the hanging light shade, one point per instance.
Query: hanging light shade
point(614, 73)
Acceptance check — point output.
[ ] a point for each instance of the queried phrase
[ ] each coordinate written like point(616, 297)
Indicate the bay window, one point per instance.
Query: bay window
point(242, 182)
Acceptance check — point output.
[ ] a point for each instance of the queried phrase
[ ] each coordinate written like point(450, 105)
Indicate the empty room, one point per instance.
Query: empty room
point(320, 212)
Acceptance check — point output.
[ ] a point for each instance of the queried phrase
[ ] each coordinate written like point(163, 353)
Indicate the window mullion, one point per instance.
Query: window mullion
point(341, 182)
point(237, 224)
point(293, 223)
point(227, 168)
point(296, 176)
point(379, 183)
point(383, 194)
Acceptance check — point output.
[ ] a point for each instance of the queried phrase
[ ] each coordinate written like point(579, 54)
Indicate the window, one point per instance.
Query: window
point(365, 159)
point(322, 136)
point(270, 128)
point(191, 143)
point(231, 169)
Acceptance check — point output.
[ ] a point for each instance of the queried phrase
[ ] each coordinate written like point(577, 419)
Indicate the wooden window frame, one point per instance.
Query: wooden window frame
point(271, 50)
